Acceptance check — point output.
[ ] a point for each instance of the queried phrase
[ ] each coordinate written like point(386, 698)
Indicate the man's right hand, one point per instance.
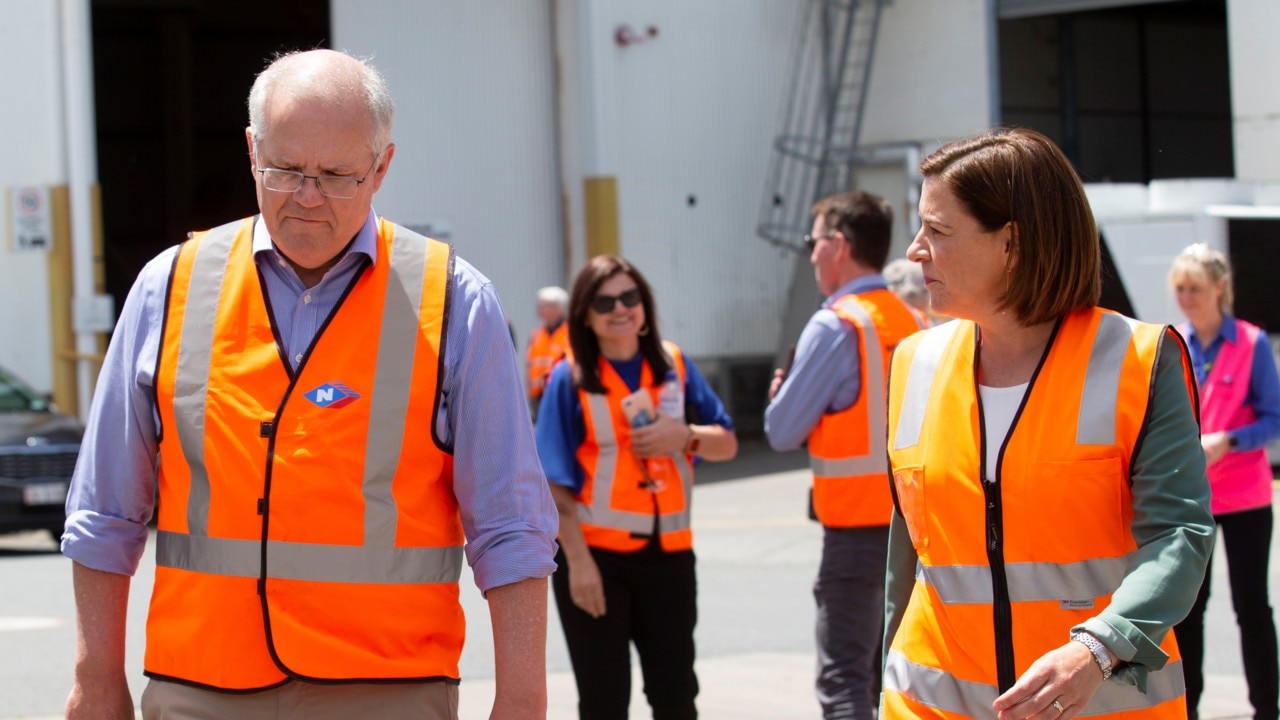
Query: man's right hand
point(778, 376)
point(100, 699)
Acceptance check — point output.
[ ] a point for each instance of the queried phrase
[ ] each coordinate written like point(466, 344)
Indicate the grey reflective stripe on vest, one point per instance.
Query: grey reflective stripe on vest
point(1097, 422)
point(937, 688)
point(397, 344)
point(195, 351)
point(310, 561)
point(940, 689)
point(915, 399)
point(875, 461)
point(1028, 581)
point(598, 513)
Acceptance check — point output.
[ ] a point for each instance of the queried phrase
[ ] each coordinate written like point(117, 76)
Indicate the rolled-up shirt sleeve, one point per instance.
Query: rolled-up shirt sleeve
point(507, 512)
point(112, 493)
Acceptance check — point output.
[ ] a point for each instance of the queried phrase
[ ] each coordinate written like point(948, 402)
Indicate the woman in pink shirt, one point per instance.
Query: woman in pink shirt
point(1239, 413)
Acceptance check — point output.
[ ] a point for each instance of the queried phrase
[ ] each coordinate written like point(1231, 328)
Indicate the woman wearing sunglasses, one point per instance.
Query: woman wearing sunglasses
point(623, 488)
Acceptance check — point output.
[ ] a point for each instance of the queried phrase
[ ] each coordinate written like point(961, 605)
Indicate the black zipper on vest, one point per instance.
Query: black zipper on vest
point(1001, 605)
point(993, 531)
point(1001, 612)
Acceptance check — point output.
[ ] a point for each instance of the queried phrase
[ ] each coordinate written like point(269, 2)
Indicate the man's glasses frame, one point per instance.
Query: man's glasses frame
point(606, 303)
point(811, 241)
point(337, 187)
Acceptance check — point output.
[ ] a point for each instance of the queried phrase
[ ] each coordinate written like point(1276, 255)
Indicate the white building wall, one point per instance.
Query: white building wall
point(31, 153)
point(685, 121)
point(930, 84)
point(1255, 94)
point(474, 131)
point(930, 80)
point(582, 154)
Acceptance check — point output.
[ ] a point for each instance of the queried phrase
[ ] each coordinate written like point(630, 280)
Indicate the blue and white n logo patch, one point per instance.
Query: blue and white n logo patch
point(332, 395)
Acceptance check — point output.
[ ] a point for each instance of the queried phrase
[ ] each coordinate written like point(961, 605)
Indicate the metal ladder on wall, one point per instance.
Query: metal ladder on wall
point(816, 154)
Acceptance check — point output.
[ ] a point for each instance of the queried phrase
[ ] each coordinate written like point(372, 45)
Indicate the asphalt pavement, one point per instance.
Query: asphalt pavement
point(757, 557)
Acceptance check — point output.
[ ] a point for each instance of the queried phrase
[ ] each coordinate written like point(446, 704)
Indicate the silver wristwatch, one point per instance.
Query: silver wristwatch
point(1100, 654)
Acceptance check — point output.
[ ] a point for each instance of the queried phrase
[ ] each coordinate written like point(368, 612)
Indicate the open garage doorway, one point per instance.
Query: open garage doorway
point(1135, 92)
point(170, 79)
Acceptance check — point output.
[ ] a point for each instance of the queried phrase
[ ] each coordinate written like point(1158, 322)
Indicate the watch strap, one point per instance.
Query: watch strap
point(1097, 649)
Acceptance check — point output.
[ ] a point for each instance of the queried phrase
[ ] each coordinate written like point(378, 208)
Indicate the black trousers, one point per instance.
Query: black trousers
point(651, 600)
point(849, 593)
point(1246, 537)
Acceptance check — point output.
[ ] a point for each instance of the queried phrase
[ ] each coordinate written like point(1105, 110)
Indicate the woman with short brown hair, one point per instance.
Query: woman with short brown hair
point(1049, 486)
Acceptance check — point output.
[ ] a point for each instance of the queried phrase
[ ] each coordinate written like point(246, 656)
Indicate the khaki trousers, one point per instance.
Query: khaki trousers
point(303, 701)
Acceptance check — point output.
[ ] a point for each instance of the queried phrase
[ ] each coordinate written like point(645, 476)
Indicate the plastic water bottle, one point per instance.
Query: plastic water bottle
point(671, 397)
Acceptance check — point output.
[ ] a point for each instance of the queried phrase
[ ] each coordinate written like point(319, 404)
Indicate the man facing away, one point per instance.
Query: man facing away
point(833, 398)
point(548, 342)
point(330, 406)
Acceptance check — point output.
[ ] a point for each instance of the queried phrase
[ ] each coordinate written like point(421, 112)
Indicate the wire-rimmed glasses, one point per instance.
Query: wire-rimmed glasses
point(338, 187)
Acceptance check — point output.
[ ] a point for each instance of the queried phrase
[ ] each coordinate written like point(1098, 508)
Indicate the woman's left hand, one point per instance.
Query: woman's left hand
point(1067, 675)
point(665, 436)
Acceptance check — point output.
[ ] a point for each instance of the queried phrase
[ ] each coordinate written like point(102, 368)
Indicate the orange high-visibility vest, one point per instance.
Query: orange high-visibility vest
point(623, 494)
point(307, 526)
point(846, 448)
point(1006, 569)
point(545, 349)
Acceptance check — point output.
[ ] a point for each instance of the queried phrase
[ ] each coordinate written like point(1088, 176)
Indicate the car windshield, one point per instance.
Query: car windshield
point(15, 395)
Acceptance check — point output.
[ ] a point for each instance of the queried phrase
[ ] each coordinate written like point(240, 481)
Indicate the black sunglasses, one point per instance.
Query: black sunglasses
point(605, 303)
point(810, 241)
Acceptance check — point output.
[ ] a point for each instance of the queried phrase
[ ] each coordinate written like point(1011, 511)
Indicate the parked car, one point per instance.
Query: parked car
point(38, 449)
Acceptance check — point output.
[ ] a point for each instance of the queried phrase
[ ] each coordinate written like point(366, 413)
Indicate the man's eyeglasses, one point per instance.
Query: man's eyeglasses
point(605, 303)
point(811, 241)
point(338, 187)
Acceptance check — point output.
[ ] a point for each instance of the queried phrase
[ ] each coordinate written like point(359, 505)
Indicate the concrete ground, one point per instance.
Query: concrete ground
point(757, 557)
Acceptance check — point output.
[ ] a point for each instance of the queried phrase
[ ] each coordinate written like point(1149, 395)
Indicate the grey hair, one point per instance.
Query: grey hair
point(905, 278)
point(1200, 260)
point(335, 79)
point(557, 295)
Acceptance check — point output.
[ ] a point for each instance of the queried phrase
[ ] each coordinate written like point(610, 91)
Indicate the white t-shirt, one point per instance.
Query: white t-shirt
point(999, 405)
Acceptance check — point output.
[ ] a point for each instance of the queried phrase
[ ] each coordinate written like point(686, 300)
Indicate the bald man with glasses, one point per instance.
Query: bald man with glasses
point(329, 408)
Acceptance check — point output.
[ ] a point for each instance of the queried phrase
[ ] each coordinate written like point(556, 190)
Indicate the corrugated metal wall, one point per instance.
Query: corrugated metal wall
point(474, 130)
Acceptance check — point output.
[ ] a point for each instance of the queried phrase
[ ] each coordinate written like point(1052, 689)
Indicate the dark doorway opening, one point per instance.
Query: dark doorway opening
point(170, 79)
point(1130, 94)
